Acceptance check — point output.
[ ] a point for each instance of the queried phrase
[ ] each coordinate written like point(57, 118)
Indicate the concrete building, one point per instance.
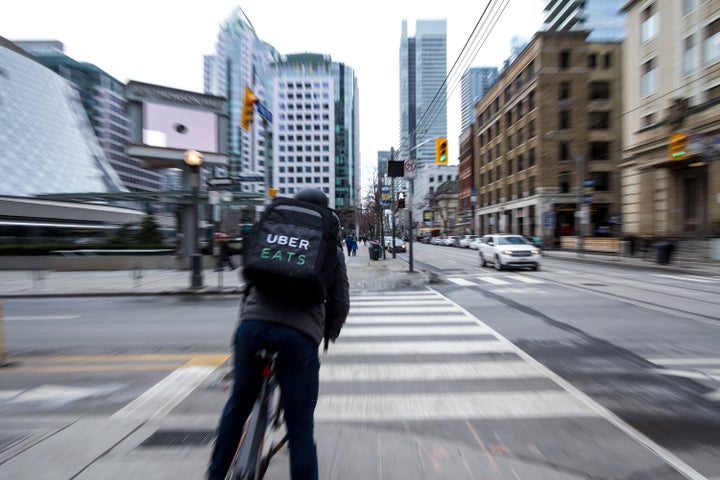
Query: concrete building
point(423, 93)
point(315, 130)
point(602, 19)
point(104, 102)
point(474, 84)
point(672, 92)
point(546, 131)
point(242, 60)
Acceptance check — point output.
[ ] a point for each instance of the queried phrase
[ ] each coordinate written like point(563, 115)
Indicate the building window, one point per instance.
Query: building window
point(713, 93)
point(647, 120)
point(592, 60)
point(564, 182)
point(649, 24)
point(599, 150)
point(564, 151)
point(599, 120)
point(599, 90)
point(564, 90)
point(564, 59)
point(531, 158)
point(532, 129)
point(648, 78)
point(608, 61)
point(688, 61)
point(601, 181)
point(531, 101)
point(712, 43)
point(564, 119)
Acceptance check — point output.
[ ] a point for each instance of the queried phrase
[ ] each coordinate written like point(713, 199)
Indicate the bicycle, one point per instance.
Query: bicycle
point(252, 459)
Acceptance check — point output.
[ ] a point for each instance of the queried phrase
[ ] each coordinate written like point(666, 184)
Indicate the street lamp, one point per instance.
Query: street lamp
point(579, 213)
point(194, 159)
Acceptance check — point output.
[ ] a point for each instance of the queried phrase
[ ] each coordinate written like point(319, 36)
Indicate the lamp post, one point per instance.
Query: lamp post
point(194, 159)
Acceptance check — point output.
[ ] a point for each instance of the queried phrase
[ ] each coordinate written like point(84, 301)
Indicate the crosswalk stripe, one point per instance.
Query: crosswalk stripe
point(689, 278)
point(420, 310)
point(461, 281)
point(434, 319)
point(493, 280)
point(527, 279)
point(428, 371)
point(397, 407)
point(425, 348)
point(380, 330)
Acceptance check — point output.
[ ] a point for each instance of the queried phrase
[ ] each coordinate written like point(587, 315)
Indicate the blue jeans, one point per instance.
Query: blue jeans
point(297, 368)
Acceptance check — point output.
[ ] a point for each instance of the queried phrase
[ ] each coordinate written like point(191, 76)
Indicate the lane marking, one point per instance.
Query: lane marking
point(425, 348)
point(688, 278)
point(527, 279)
point(420, 310)
point(493, 280)
point(685, 361)
point(165, 395)
point(380, 319)
point(462, 282)
point(25, 318)
point(388, 407)
point(379, 330)
point(429, 371)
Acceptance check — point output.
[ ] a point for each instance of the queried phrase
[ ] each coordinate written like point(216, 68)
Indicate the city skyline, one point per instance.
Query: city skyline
point(156, 43)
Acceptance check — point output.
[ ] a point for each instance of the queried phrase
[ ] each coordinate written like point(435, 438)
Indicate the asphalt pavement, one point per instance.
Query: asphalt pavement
point(130, 446)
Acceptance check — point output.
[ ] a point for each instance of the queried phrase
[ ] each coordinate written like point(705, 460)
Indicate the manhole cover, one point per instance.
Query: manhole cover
point(179, 438)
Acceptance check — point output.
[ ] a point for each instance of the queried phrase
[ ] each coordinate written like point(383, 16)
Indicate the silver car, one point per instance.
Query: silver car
point(508, 251)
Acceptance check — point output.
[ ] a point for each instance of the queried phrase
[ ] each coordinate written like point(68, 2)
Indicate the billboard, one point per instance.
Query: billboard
point(171, 126)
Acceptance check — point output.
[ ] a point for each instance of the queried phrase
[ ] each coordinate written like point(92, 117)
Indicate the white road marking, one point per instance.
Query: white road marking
point(540, 404)
point(462, 282)
point(527, 279)
point(332, 372)
point(493, 280)
point(424, 348)
point(439, 319)
point(688, 278)
point(23, 318)
point(380, 330)
point(685, 361)
point(419, 310)
point(165, 395)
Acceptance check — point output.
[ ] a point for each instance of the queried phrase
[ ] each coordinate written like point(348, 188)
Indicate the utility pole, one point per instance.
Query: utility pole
point(392, 205)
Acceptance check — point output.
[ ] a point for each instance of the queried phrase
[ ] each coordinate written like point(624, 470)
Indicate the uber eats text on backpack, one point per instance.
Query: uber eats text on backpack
point(291, 252)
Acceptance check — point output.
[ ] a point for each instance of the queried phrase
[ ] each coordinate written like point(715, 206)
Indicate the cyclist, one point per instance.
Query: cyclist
point(295, 332)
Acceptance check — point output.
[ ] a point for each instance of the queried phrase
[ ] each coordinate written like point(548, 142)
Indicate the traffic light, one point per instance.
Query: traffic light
point(677, 146)
point(248, 109)
point(401, 200)
point(441, 151)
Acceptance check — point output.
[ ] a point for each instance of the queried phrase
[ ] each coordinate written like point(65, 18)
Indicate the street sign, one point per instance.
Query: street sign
point(385, 196)
point(219, 181)
point(410, 165)
point(252, 178)
point(263, 111)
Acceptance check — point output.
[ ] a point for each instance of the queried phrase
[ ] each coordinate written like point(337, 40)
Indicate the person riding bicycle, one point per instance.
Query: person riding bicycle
point(295, 332)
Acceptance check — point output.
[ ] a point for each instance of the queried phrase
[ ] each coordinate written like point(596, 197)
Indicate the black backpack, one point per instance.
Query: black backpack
point(291, 253)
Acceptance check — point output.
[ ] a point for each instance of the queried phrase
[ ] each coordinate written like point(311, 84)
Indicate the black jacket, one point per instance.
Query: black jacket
point(310, 319)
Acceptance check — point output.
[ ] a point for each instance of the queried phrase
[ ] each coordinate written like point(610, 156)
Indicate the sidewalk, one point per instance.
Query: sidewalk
point(363, 274)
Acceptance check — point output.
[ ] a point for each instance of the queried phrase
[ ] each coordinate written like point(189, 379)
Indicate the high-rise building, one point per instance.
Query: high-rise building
point(475, 83)
point(242, 60)
point(315, 129)
point(47, 142)
point(104, 102)
point(423, 91)
point(603, 19)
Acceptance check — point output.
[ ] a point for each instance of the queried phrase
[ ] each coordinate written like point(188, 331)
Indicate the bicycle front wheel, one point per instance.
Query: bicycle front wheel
point(247, 464)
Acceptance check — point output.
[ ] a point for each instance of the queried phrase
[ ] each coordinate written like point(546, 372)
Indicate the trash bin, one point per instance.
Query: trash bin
point(664, 252)
point(374, 251)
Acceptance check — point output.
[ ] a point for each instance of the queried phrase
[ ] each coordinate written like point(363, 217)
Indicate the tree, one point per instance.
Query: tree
point(149, 233)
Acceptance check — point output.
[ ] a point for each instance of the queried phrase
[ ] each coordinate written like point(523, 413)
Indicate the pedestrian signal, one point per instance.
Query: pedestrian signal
point(248, 109)
point(441, 151)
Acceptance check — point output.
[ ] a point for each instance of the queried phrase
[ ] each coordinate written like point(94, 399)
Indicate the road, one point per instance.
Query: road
point(593, 372)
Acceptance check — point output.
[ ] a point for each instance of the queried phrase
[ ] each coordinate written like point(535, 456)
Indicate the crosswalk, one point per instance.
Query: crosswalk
point(493, 280)
point(417, 356)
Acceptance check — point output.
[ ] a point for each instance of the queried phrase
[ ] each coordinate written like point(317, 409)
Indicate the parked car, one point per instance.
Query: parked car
point(508, 251)
point(438, 240)
point(452, 241)
point(399, 246)
point(475, 244)
point(466, 240)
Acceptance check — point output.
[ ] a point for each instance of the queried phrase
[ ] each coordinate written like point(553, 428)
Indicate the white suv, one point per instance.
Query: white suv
point(508, 251)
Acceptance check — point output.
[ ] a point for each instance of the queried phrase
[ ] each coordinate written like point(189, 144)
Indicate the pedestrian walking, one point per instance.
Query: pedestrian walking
point(348, 244)
point(354, 247)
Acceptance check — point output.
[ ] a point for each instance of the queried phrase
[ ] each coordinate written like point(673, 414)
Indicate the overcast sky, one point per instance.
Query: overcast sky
point(163, 42)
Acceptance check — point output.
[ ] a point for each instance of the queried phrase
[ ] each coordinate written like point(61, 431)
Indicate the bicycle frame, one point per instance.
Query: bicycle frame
point(250, 461)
